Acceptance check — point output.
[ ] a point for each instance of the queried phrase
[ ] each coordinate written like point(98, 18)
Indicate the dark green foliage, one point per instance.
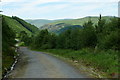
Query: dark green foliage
point(88, 24)
point(88, 37)
point(23, 36)
point(78, 38)
point(44, 40)
point(103, 36)
point(100, 26)
point(8, 36)
point(67, 27)
point(111, 41)
point(8, 42)
point(109, 37)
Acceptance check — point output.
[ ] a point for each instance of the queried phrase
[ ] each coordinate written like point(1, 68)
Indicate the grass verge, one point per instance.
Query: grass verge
point(105, 62)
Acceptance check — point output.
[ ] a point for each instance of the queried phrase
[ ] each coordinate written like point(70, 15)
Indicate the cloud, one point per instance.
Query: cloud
point(11, 0)
point(62, 0)
point(53, 9)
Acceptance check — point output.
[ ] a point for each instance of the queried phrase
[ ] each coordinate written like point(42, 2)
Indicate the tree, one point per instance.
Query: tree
point(111, 41)
point(88, 24)
point(110, 35)
point(100, 26)
point(88, 35)
point(44, 40)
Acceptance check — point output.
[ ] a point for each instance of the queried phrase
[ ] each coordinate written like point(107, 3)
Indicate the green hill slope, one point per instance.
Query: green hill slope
point(39, 22)
point(18, 27)
point(26, 25)
point(81, 21)
point(58, 25)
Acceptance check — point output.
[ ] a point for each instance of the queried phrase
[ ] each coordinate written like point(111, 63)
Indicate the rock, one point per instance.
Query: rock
point(75, 61)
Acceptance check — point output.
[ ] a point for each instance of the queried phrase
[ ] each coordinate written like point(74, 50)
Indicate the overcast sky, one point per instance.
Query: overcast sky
point(58, 9)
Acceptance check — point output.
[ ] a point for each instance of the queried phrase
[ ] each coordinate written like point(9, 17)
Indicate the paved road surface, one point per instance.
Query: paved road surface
point(35, 64)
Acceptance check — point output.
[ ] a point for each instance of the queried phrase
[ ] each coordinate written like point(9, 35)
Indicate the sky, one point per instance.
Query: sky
point(58, 9)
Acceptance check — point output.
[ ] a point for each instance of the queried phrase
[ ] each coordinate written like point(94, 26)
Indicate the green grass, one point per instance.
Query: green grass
point(14, 25)
point(105, 61)
point(7, 63)
point(26, 25)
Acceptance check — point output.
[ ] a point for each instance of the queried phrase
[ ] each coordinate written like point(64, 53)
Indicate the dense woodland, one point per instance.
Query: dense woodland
point(103, 36)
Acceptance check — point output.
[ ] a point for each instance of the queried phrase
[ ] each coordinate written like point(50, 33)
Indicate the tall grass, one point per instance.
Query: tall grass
point(105, 61)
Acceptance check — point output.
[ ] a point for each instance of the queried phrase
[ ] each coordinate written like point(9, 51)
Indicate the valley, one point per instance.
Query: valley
point(82, 40)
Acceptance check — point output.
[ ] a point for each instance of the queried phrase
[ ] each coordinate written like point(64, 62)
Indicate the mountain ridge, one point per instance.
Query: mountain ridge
point(58, 25)
point(53, 25)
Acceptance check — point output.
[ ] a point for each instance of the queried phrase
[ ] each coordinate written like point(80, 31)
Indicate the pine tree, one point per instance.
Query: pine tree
point(101, 24)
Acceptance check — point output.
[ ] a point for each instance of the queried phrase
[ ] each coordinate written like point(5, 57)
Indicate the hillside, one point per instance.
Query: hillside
point(26, 25)
point(17, 26)
point(58, 28)
point(39, 22)
point(81, 21)
point(58, 25)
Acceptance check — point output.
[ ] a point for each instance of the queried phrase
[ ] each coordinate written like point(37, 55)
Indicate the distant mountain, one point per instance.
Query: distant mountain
point(81, 21)
point(40, 22)
point(60, 25)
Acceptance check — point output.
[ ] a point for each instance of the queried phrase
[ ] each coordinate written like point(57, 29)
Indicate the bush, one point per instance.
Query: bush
point(111, 41)
point(46, 46)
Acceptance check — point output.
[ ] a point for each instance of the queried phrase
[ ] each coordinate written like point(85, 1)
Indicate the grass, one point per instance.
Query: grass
point(105, 61)
point(18, 27)
point(7, 63)
point(14, 25)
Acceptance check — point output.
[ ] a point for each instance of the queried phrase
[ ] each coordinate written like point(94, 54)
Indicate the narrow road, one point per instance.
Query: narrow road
point(35, 64)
